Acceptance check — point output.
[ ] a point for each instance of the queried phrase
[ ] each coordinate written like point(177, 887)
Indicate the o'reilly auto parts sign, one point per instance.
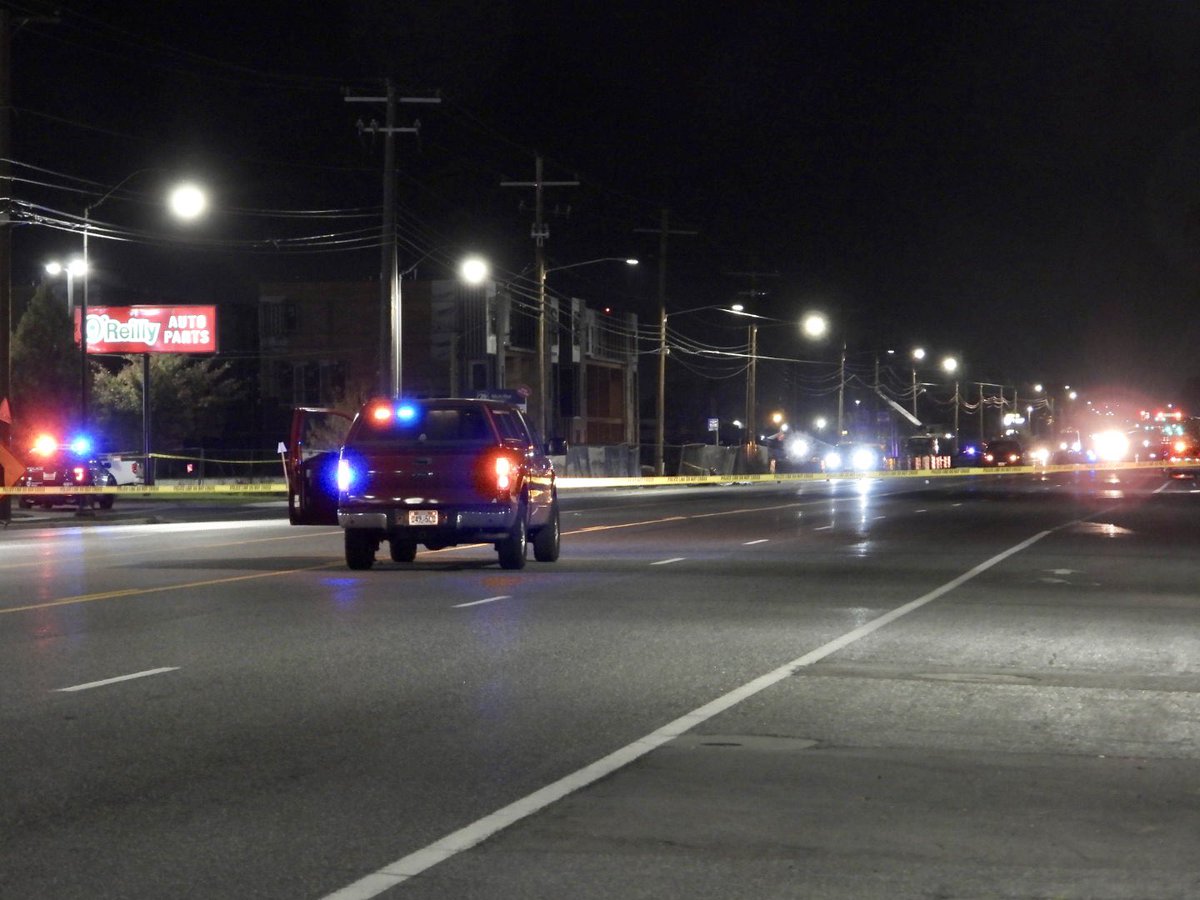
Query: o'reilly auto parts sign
point(150, 329)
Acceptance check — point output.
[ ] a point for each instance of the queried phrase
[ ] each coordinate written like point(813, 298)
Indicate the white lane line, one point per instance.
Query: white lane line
point(478, 602)
point(673, 559)
point(752, 543)
point(96, 684)
point(822, 528)
point(465, 838)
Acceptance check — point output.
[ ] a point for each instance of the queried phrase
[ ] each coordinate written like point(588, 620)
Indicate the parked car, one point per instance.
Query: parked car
point(435, 472)
point(126, 468)
point(65, 466)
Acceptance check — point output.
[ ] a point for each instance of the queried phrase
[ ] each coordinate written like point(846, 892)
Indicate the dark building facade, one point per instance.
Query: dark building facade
point(319, 345)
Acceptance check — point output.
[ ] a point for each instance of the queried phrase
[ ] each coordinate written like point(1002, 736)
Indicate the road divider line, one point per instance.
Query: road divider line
point(728, 512)
point(752, 543)
point(481, 602)
point(119, 678)
point(465, 838)
point(667, 562)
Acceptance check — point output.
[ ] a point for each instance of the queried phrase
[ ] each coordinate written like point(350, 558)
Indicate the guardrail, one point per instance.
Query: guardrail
point(576, 482)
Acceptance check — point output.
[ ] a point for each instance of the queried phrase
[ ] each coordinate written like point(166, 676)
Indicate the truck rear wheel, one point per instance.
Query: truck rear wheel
point(513, 548)
point(546, 541)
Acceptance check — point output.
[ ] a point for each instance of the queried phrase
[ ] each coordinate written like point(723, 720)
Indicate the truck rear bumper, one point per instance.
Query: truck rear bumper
point(453, 525)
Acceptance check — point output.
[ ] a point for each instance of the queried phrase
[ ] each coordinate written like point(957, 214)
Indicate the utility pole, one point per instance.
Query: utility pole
point(752, 391)
point(841, 392)
point(540, 232)
point(664, 232)
point(5, 213)
point(5, 245)
point(752, 371)
point(390, 310)
point(982, 427)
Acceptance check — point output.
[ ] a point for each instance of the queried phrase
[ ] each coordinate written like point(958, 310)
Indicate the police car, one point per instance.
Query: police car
point(69, 465)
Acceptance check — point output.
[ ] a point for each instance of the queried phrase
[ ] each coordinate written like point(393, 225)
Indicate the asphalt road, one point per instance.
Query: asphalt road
point(965, 688)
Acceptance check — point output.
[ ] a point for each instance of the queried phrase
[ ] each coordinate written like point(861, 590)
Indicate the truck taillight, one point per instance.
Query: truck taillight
point(504, 474)
point(499, 475)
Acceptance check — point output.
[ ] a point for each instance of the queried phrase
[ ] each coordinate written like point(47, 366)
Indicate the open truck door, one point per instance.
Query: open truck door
point(310, 463)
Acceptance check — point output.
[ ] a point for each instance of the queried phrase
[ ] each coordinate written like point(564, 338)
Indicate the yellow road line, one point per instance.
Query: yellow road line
point(133, 592)
point(143, 551)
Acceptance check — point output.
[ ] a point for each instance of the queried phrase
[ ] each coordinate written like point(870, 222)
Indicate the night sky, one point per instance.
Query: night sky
point(1015, 183)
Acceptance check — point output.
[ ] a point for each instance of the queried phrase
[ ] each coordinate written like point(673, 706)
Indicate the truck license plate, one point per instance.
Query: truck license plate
point(422, 517)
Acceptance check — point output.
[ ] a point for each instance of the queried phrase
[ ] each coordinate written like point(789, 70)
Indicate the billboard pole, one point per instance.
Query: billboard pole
point(147, 465)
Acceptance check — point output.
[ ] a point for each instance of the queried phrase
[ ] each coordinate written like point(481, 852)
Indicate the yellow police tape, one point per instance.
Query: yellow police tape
point(575, 482)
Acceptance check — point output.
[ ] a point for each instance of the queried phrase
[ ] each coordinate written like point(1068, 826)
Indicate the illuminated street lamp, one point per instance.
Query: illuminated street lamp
point(918, 354)
point(950, 367)
point(735, 309)
point(187, 202)
point(816, 326)
point(474, 270)
point(73, 268)
point(76, 267)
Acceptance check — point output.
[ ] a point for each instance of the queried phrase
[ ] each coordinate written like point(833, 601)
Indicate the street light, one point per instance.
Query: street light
point(660, 424)
point(950, 367)
point(474, 270)
point(918, 354)
point(186, 201)
point(816, 326)
point(542, 347)
point(74, 268)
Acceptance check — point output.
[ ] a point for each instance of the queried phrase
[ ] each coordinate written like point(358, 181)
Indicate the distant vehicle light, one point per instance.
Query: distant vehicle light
point(863, 459)
point(1180, 447)
point(1041, 455)
point(81, 445)
point(798, 449)
point(381, 412)
point(833, 460)
point(44, 445)
point(406, 412)
point(1110, 446)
